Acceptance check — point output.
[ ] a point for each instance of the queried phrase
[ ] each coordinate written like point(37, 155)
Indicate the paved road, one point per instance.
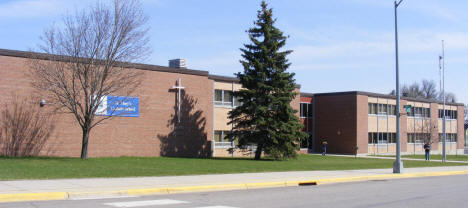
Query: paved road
point(446, 191)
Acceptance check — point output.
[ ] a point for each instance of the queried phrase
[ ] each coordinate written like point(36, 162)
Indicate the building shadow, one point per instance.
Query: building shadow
point(188, 137)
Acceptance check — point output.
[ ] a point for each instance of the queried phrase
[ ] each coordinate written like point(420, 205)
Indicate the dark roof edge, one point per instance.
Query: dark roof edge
point(231, 79)
point(371, 94)
point(44, 56)
point(223, 78)
point(306, 94)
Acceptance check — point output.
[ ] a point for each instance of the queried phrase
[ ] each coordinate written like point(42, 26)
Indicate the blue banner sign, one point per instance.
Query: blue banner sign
point(119, 106)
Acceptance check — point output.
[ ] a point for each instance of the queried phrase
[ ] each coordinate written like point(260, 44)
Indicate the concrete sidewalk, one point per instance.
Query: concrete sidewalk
point(27, 190)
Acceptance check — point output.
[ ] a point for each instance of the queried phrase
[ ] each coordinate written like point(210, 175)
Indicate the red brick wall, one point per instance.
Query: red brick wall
point(306, 99)
point(335, 122)
point(435, 121)
point(296, 102)
point(151, 134)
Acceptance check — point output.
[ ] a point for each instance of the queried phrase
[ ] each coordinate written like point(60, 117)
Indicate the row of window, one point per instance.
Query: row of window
point(387, 109)
point(449, 114)
point(306, 110)
point(387, 137)
point(418, 137)
point(420, 112)
point(225, 98)
point(381, 137)
point(448, 137)
point(382, 109)
point(220, 136)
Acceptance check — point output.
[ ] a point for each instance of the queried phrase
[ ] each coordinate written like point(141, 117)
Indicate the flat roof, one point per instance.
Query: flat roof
point(371, 94)
point(220, 78)
point(45, 56)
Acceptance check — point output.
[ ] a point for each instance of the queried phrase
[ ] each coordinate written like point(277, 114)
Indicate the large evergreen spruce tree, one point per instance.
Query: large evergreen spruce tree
point(265, 117)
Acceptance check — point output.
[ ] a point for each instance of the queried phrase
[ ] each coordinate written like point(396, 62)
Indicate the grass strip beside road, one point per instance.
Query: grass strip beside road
point(55, 168)
point(433, 157)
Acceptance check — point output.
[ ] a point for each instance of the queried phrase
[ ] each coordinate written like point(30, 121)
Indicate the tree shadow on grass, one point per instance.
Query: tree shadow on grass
point(242, 159)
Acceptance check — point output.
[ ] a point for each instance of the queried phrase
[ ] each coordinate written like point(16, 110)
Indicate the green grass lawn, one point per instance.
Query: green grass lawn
point(439, 157)
point(52, 168)
point(433, 157)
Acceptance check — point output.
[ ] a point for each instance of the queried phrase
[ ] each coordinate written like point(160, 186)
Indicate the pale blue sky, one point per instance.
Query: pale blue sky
point(339, 45)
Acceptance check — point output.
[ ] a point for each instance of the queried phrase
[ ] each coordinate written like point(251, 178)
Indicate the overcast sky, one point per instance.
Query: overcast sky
point(339, 45)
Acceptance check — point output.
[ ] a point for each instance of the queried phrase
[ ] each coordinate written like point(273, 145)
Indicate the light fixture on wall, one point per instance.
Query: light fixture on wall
point(338, 132)
point(42, 103)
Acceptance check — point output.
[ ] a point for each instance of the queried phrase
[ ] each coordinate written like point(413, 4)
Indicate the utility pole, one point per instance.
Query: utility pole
point(444, 137)
point(397, 165)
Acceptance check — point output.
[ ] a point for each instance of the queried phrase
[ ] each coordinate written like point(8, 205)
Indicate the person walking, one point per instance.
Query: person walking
point(427, 150)
point(324, 148)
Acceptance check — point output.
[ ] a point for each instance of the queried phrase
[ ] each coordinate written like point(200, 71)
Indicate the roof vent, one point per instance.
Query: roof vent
point(177, 63)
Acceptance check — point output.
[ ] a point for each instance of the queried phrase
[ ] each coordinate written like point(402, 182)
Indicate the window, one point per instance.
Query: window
point(373, 108)
point(220, 136)
point(372, 138)
point(306, 110)
point(381, 138)
point(448, 137)
point(420, 112)
point(449, 114)
point(303, 110)
point(221, 141)
point(218, 97)
point(418, 137)
point(310, 110)
point(392, 110)
point(392, 138)
point(381, 109)
point(225, 98)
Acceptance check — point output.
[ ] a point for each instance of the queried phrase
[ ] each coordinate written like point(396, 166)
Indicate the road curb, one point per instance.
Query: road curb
point(17, 197)
point(33, 196)
point(389, 176)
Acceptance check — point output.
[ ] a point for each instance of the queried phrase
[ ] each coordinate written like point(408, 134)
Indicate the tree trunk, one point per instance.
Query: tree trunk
point(258, 152)
point(84, 146)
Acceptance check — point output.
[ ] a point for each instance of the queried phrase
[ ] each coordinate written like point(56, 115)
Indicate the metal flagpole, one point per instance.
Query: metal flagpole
point(397, 165)
point(414, 128)
point(444, 156)
point(378, 132)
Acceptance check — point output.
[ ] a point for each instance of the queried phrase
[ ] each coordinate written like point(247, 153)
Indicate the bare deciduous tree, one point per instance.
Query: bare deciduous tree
point(412, 90)
point(429, 89)
point(24, 128)
point(466, 113)
point(449, 97)
point(90, 60)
